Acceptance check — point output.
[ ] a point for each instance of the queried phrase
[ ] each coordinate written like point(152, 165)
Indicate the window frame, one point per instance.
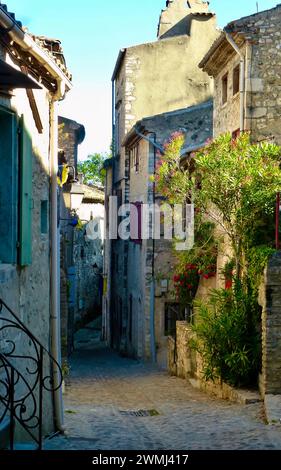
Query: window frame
point(224, 94)
point(236, 80)
point(135, 158)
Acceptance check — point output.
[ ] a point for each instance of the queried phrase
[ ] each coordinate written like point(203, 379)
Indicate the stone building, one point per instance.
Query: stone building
point(32, 81)
point(81, 254)
point(244, 63)
point(145, 84)
point(148, 264)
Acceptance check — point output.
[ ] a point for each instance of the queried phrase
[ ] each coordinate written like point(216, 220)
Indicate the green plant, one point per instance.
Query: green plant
point(238, 182)
point(92, 169)
point(65, 369)
point(233, 184)
point(228, 336)
point(257, 259)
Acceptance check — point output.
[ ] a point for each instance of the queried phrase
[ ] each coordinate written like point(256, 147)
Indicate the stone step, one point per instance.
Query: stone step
point(4, 433)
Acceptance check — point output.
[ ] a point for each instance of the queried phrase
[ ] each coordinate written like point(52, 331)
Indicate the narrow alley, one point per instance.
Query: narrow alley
point(117, 403)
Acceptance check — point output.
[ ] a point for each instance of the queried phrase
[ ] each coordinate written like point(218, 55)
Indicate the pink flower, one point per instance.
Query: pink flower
point(177, 135)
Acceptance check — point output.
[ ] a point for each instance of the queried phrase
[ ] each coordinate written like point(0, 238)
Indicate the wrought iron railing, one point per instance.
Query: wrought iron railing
point(26, 371)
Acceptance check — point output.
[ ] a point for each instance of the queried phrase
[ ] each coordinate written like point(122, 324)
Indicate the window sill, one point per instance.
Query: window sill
point(7, 272)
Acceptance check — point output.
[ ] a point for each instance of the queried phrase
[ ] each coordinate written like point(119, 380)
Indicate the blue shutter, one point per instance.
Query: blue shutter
point(8, 187)
point(26, 201)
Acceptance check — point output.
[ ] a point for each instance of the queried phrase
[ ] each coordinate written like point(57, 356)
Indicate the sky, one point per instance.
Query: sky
point(92, 32)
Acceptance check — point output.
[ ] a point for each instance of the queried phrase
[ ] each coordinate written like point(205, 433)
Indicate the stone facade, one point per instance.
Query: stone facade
point(270, 300)
point(25, 285)
point(146, 85)
point(148, 266)
point(258, 38)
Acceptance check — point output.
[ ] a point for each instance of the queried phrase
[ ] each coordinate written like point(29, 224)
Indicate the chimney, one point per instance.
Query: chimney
point(172, 18)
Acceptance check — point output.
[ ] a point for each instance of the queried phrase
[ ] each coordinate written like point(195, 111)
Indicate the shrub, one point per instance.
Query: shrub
point(228, 338)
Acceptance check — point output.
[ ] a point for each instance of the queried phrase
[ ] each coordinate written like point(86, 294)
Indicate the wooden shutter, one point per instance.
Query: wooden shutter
point(26, 201)
point(8, 187)
point(136, 223)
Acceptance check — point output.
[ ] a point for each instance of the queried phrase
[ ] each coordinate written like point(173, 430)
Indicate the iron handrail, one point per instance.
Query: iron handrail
point(24, 381)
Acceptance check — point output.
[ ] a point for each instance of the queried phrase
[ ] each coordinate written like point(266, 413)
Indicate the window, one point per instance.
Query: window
point(135, 159)
point(136, 223)
point(8, 187)
point(44, 217)
point(173, 313)
point(224, 88)
point(15, 190)
point(235, 134)
point(236, 80)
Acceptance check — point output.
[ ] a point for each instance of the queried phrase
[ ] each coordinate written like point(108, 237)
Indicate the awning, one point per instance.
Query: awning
point(11, 78)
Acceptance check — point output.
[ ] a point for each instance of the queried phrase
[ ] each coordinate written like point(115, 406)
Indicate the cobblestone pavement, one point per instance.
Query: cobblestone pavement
point(103, 386)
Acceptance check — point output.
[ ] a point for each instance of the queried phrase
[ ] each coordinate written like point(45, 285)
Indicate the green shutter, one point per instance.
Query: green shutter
point(8, 187)
point(26, 201)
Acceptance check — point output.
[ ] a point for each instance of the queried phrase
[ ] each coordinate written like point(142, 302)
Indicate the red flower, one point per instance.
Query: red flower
point(228, 284)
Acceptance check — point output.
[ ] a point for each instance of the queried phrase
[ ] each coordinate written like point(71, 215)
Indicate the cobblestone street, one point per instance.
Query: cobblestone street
point(103, 387)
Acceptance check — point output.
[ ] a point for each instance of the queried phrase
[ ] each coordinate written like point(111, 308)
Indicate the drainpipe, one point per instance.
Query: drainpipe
point(55, 257)
point(242, 79)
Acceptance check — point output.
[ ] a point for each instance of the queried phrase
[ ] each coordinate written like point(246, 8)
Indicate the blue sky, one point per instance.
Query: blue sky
point(92, 32)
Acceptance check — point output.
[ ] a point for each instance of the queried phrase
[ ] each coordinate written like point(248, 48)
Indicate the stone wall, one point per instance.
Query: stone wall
point(71, 134)
point(262, 99)
point(265, 106)
point(270, 299)
point(88, 262)
point(185, 363)
point(227, 115)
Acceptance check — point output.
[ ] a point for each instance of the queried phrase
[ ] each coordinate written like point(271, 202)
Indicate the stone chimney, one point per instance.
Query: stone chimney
point(174, 19)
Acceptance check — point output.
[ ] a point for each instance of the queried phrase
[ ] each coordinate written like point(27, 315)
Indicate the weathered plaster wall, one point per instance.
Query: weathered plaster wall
point(149, 68)
point(27, 290)
point(177, 17)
